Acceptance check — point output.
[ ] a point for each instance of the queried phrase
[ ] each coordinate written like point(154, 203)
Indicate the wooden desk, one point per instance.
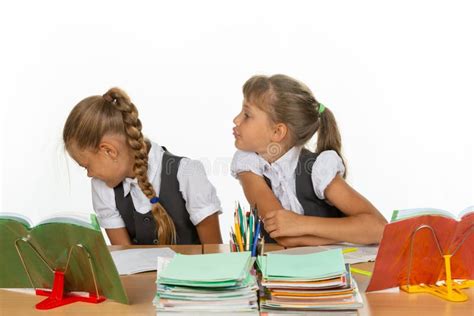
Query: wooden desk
point(183, 249)
point(141, 290)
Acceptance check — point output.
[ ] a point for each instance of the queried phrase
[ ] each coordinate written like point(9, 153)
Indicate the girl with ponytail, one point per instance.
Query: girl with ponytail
point(142, 194)
point(302, 196)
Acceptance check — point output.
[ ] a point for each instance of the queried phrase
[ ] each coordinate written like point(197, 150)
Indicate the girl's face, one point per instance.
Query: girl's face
point(253, 129)
point(109, 163)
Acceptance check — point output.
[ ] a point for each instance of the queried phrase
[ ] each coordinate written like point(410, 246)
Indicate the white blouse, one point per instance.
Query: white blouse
point(282, 173)
point(198, 192)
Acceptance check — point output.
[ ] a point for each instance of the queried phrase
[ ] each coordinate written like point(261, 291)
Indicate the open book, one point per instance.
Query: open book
point(398, 215)
point(31, 254)
point(413, 245)
point(80, 219)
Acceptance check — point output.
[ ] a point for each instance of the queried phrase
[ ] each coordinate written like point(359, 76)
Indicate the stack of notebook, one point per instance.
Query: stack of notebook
point(219, 283)
point(317, 281)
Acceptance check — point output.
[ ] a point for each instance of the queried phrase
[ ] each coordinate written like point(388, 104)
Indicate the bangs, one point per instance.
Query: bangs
point(258, 90)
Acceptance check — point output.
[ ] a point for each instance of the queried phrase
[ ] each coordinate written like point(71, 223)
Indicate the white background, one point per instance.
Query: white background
point(398, 76)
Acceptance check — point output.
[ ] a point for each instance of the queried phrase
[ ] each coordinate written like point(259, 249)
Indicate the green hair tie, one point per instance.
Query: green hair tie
point(321, 108)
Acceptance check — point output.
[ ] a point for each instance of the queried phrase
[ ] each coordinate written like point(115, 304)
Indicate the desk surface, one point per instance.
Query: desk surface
point(141, 290)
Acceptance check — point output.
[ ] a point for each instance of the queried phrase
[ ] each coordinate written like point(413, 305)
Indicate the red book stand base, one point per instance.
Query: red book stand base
point(57, 297)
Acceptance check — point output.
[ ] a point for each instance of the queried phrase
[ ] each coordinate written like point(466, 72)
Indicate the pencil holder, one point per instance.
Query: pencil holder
point(259, 250)
point(245, 233)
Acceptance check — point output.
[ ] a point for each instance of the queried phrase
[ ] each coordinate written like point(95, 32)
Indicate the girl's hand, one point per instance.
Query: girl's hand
point(283, 223)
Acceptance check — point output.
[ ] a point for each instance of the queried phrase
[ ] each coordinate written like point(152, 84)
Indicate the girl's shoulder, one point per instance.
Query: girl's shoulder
point(156, 151)
point(328, 164)
point(328, 155)
point(102, 194)
point(99, 186)
point(246, 161)
point(328, 160)
point(191, 167)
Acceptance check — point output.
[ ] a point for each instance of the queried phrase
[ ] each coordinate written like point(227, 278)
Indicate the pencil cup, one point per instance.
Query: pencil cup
point(259, 249)
point(245, 232)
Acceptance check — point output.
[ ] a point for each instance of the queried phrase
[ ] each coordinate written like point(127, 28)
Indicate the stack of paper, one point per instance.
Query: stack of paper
point(352, 253)
point(219, 283)
point(317, 281)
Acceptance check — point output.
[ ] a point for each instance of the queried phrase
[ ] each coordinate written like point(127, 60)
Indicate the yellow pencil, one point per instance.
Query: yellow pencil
point(239, 238)
point(347, 250)
point(360, 271)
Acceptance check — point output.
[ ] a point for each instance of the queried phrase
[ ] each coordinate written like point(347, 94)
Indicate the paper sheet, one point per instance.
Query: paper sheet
point(132, 261)
point(363, 253)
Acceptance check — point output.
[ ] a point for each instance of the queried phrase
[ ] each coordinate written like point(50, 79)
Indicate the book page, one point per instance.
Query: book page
point(466, 211)
point(398, 215)
point(17, 217)
point(132, 261)
point(75, 218)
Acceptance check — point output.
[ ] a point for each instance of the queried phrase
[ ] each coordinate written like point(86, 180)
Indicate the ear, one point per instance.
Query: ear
point(109, 150)
point(280, 131)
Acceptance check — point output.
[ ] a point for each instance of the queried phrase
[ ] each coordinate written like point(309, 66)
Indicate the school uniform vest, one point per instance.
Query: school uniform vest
point(142, 227)
point(312, 205)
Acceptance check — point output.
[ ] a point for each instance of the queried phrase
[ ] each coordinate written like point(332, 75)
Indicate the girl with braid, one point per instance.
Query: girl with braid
point(142, 194)
point(302, 196)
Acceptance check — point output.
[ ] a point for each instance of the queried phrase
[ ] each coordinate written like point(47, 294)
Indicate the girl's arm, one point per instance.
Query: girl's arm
point(258, 193)
point(198, 193)
point(363, 224)
point(209, 230)
point(300, 241)
point(118, 236)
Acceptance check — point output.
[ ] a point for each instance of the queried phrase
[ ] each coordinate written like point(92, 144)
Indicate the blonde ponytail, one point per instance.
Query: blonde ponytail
point(329, 137)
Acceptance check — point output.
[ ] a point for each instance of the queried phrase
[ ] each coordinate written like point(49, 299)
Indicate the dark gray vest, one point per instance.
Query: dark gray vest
point(312, 205)
point(142, 227)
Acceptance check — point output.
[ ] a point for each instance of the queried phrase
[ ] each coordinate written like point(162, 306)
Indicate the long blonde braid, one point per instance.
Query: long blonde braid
point(166, 229)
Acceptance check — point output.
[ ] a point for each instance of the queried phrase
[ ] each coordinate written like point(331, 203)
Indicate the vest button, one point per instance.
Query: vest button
point(155, 241)
point(146, 220)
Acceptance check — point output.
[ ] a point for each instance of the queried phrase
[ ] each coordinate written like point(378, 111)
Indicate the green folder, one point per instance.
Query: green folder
point(208, 270)
point(53, 240)
point(314, 266)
